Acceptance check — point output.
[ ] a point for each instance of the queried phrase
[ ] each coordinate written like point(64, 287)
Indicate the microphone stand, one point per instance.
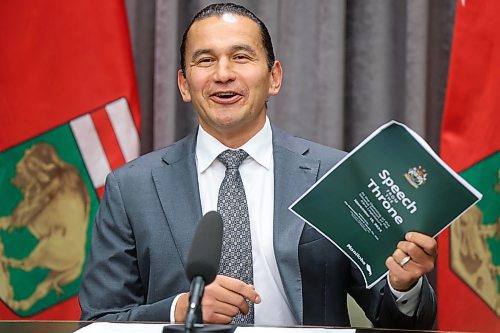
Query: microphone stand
point(194, 315)
point(201, 268)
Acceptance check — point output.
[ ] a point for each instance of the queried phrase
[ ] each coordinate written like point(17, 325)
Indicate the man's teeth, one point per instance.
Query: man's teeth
point(225, 95)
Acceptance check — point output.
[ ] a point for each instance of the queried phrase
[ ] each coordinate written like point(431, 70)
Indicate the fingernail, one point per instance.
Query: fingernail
point(408, 236)
point(257, 299)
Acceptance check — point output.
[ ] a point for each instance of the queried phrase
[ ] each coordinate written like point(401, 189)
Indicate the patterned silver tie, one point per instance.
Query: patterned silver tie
point(236, 257)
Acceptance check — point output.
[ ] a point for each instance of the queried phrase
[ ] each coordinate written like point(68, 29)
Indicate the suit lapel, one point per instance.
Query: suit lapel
point(293, 175)
point(177, 186)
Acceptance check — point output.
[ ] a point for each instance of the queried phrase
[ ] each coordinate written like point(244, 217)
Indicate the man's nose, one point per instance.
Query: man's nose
point(224, 71)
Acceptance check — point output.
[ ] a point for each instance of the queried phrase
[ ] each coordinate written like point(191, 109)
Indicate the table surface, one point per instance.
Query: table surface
point(25, 326)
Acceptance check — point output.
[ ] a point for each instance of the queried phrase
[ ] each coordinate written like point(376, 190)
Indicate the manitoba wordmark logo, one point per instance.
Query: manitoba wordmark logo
point(360, 258)
point(416, 176)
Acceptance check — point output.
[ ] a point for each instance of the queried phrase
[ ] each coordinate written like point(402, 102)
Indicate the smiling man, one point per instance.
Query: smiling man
point(274, 269)
point(227, 76)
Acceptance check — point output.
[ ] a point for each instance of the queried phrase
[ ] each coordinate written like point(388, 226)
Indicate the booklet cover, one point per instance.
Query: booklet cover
point(390, 184)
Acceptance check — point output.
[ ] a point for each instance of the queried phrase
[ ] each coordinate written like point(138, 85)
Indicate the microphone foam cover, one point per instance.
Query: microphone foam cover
point(204, 255)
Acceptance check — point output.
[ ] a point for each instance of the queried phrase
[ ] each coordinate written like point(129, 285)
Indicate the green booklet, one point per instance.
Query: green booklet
point(390, 184)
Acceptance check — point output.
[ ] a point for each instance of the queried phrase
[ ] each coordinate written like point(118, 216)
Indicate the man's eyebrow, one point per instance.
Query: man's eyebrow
point(246, 48)
point(235, 48)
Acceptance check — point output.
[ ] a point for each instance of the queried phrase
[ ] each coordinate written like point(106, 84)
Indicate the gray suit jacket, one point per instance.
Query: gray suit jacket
point(147, 218)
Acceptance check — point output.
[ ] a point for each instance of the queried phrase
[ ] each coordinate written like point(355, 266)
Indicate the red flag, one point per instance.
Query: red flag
point(468, 285)
point(69, 114)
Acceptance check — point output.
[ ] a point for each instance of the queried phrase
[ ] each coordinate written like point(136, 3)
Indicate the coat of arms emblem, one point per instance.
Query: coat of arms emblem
point(416, 176)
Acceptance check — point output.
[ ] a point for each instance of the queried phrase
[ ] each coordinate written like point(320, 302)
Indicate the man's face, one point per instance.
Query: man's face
point(227, 78)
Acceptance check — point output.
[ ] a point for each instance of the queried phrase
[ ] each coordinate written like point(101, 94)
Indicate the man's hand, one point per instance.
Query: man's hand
point(422, 252)
point(222, 300)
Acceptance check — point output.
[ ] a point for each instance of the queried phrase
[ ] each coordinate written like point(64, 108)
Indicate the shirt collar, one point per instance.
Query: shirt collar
point(259, 148)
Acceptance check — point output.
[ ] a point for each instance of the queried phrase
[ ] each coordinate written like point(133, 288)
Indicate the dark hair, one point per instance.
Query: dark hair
point(219, 9)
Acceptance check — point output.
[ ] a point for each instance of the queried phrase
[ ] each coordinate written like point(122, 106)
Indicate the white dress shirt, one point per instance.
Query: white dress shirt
point(257, 174)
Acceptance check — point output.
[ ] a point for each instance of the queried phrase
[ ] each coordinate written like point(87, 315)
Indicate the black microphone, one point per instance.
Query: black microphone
point(201, 269)
point(203, 263)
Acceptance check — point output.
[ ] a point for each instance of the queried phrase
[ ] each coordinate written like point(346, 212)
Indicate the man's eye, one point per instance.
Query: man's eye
point(204, 61)
point(241, 57)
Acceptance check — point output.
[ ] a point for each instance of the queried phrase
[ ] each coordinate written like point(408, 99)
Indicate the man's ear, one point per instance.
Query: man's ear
point(276, 78)
point(183, 86)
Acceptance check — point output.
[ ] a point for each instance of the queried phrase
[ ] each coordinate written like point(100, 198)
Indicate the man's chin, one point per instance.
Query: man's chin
point(227, 119)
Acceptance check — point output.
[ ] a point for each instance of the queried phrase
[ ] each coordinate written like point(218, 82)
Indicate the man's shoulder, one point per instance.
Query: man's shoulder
point(157, 158)
point(147, 160)
point(319, 149)
point(305, 146)
point(326, 156)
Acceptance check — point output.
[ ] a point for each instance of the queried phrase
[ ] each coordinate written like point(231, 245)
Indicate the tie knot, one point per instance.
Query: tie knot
point(232, 158)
